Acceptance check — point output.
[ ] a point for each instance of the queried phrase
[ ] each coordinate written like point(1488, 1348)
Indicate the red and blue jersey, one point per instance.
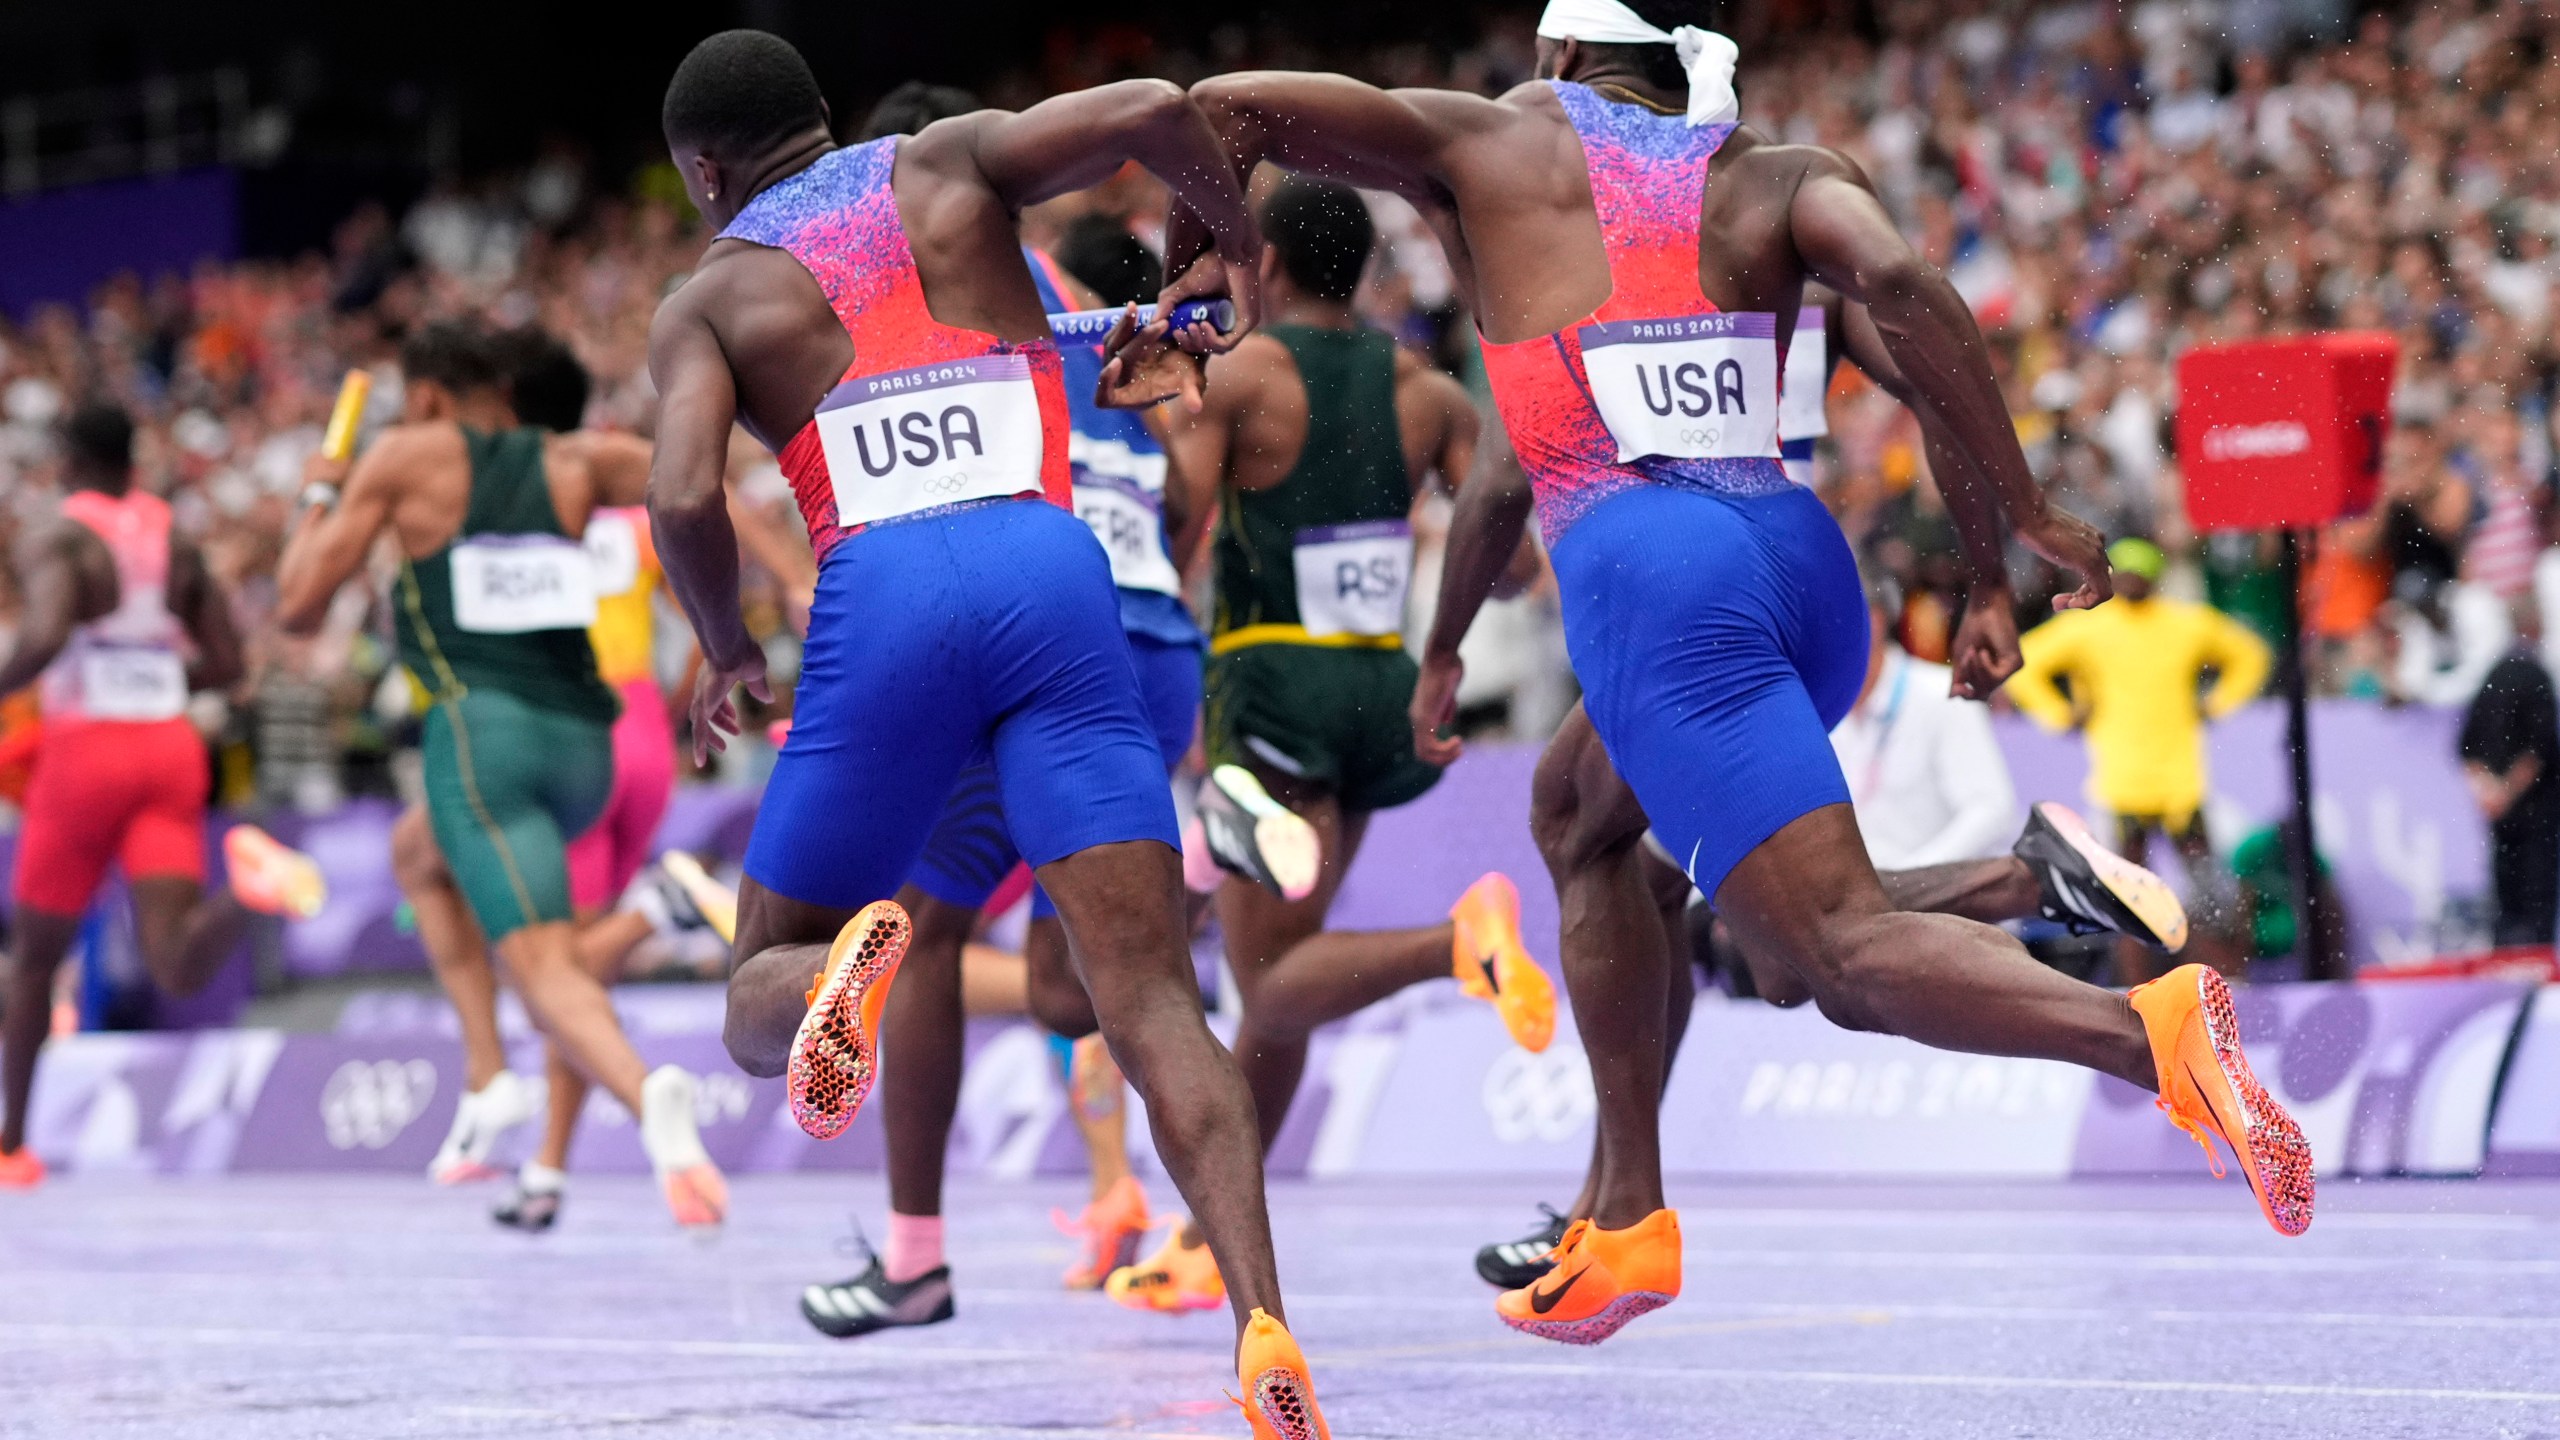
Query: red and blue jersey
point(1648, 179)
point(839, 219)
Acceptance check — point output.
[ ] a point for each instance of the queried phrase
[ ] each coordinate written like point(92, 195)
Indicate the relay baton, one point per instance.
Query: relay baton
point(1094, 326)
point(339, 442)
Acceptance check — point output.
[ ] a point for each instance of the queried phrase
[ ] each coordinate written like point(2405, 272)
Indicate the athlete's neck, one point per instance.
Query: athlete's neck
point(484, 412)
point(781, 163)
point(1313, 313)
point(114, 487)
point(1623, 85)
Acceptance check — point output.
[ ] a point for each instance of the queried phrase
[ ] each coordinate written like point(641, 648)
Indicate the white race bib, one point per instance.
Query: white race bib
point(613, 548)
point(939, 434)
point(132, 682)
point(514, 584)
point(1352, 578)
point(1801, 415)
point(1120, 494)
point(1699, 387)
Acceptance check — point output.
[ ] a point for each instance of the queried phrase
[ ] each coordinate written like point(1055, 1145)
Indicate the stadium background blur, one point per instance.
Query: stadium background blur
point(2107, 184)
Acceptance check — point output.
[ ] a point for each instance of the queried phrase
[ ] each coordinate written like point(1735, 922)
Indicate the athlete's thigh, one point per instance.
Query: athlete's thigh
point(1580, 807)
point(1075, 753)
point(491, 818)
point(887, 712)
point(164, 836)
point(78, 803)
point(970, 852)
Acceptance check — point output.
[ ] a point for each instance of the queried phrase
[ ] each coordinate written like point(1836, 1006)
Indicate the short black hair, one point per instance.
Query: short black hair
point(913, 106)
point(1109, 261)
point(546, 386)
point(738, 92)
point(99, 437)
point(1321, 231)
point(455, 354)
point(1658, 63)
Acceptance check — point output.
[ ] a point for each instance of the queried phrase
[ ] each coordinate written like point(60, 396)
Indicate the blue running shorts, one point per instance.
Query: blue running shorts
point(972, 849)
point(1718, 639)
point(985, 635)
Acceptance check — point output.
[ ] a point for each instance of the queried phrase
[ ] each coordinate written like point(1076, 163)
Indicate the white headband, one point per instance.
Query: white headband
point(1706, 55)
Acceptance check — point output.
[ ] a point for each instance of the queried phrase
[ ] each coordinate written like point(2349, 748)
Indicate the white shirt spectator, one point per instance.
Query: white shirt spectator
point(1924, 772)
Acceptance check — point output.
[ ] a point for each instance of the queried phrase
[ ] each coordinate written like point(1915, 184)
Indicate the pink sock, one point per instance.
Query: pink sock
point(915, 1246)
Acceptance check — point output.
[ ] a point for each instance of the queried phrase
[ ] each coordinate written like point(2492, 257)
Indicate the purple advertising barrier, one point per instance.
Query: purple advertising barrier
point(2524, 1138)
point(2391, 1078)
point(1763, 1091)
point(59, 246)
point(2394, 815)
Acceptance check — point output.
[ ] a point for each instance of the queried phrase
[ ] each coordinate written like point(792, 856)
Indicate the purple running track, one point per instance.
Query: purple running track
point(276, 1307)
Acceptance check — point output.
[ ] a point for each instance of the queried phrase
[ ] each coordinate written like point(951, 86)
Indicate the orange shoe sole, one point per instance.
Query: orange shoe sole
point(2270, 1148)
point(1592, 1329)
point(836, 1056)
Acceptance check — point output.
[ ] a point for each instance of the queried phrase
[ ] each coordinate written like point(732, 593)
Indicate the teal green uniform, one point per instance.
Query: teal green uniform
point(519, 742)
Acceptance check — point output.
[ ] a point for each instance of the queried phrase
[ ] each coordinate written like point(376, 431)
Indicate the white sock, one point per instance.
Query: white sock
point(540, 1179)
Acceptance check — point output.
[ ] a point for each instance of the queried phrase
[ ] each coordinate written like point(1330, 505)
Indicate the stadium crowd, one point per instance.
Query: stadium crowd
point(2108, 185)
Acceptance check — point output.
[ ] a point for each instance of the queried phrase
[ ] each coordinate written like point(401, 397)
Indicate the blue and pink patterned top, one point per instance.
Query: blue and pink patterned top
point(1648, 180)
point(839, 219)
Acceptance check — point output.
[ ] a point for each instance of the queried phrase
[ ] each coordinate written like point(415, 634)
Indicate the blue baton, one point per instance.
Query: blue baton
point(1093, 326)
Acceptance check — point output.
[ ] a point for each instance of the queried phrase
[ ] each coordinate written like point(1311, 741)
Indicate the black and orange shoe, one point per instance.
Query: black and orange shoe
point(836, 1056)
point(1279, 1398)
point(2208, 1090)
point(1492, 964)
point(20, 1169)
point(1602, 1279)
point(1176, 1278)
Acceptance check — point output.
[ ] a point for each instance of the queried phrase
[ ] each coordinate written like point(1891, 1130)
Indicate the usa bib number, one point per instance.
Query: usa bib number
point(613, 548)
point(1120, 495)
point(1352, 578)
point(939, 434)
point(516, 584)
point(132, 682)
point(1699, 387)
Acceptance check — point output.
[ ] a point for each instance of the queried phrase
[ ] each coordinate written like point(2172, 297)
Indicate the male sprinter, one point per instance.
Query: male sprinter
point(1599, 852)
point(1319, 433)
point(1711, 608)
point(1125, 493)
point(492, 602)
point(121, 622)
point(547, 388)
point(866, 312)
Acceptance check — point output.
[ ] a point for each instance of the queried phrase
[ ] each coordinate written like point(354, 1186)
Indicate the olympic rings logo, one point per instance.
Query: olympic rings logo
point(367, 1103)
point(950, 484)
point(1546, 1098)
point(1707, 438)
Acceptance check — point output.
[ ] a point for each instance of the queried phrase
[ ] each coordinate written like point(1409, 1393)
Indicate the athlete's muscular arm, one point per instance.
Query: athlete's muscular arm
point(1845, 238)
point(328, 545)
point(1074, 141)
point(49, 608)
point(200, 607)
point(689, 513)
point(1485, 531)
point(1984, 652)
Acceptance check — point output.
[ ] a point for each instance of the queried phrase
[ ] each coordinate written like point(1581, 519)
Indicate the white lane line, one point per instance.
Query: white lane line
point(1888, 1379)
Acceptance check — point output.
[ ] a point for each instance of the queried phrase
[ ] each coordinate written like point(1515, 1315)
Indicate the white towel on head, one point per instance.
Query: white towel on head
point(1707, 56)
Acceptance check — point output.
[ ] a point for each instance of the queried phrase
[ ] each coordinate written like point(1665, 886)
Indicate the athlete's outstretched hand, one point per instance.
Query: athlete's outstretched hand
point(2075, 545)
point(1145, 367)
point(715, 702)
point(1985, 652)
point(1214, 277)
point(1435, 708)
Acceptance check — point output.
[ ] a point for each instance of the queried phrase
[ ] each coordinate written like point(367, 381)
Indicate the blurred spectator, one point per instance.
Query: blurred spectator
point(1928, 781)
point(2262, 866)
point(2510, 751)
point(2136, 668)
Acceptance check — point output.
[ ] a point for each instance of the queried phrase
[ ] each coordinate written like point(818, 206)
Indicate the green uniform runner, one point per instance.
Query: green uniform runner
point(1307, 673)
point(519, 744)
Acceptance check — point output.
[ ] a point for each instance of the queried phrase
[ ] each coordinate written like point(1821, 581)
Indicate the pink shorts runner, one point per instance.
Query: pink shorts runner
point(603, 860)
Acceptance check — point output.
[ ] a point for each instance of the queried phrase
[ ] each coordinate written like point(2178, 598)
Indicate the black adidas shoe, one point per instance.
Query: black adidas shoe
point(532, 1211)
point(1252, 835)
point(2086, 886)
point(869, 1302)
point(1519, 1264)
